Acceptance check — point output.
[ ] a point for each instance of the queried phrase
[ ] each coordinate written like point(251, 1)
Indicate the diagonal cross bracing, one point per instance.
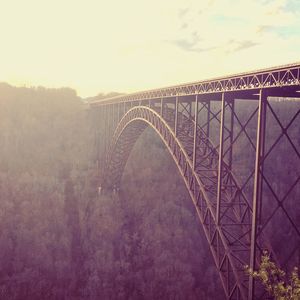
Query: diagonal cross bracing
point(187, 118)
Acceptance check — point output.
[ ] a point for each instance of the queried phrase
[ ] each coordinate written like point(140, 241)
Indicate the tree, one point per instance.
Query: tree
point(277, 283)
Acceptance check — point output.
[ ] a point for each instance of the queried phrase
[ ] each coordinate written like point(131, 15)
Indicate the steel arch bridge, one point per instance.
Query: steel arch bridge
point(227, 136)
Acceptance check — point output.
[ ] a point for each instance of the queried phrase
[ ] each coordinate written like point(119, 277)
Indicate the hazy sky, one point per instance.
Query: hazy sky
point(129, 45)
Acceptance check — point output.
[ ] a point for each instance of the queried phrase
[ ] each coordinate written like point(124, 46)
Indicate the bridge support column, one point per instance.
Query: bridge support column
point(119, 112)
point(231, 128)
point(116, 116)
point(258, 183)
point(108, 120)
point(101, 140)
point(162, 106)
point(225, 146)
point(220, 164)
point(96, 117)
point(113, 117)
point(195, 133)
point(176, 116)
point(208, 120)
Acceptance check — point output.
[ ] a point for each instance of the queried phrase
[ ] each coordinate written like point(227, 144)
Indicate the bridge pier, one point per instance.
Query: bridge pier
point(258, 185)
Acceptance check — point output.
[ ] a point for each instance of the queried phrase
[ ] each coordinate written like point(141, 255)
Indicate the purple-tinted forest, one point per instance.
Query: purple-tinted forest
point(60, 239)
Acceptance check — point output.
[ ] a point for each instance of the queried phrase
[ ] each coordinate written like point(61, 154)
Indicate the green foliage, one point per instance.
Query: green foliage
point(277, 283)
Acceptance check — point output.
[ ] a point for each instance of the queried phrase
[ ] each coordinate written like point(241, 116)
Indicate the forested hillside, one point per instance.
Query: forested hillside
point(59, 239)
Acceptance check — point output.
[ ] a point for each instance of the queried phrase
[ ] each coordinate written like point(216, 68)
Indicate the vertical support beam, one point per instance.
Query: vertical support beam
point(195, 133)
point(208, 120)
point(96, 115)
point(119, 112)
point(107, 122)
point(176, 116)
point(231, 134)
point(104, 140)
point(258, 181)
point(114, 114)
point(262, 157)
point(220, 165)
point(161, 106)
point(111, 121)
point(113, 117)
point(106, 130)
point(190, 110)
point(101, 134)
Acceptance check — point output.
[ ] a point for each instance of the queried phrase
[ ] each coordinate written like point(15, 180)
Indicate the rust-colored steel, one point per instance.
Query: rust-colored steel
point(200, 126)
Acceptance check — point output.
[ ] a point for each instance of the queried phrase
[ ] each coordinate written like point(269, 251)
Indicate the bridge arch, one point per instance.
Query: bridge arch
point(229, 248)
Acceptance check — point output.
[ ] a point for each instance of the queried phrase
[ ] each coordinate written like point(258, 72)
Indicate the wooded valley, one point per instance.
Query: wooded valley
point(60, 239)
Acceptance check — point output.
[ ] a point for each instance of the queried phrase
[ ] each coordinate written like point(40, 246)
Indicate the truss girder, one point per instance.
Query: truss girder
point(186, 118)
point(279, 77)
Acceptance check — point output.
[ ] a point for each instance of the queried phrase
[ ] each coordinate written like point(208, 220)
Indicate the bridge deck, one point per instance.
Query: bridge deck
point(282, 80)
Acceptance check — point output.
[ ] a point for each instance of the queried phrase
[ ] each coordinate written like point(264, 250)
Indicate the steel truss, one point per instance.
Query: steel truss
point(203, 128)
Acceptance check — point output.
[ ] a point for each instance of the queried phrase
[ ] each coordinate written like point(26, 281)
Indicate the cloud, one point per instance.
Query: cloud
point(182, 12)
point(265, 28)
point(241, 45)
point(191, 46)
point(229, 47)
point(224, 25)
point(292, 6)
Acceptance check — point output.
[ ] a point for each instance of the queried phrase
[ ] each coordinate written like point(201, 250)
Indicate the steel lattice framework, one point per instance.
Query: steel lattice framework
point(204, 125)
